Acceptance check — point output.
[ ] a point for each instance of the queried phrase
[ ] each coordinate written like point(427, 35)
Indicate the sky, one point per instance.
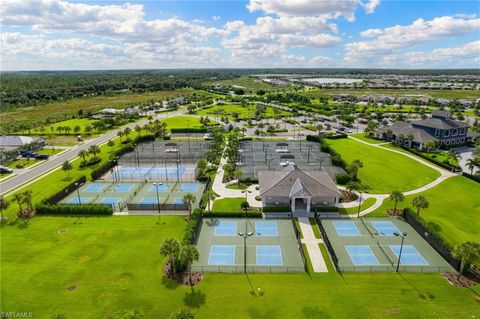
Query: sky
point(86, 35)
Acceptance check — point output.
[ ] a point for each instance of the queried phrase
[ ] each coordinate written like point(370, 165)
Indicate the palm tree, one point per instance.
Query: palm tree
point(94, 149)
point(188, 200)
point(120, 134)
point(138, 129)
point(420, 202)
point(453, 158)
point(67, 167)
point(76, 129)
point(208, 197)
point(468, 252)
point(170, 248)
point(127, 132)
point(83, 154)
point(3, 205)
point(396, 196)
point(68, 129)
point(27, 199)
point(354, 167)
point(18, 197)
point(471, 163)
point(188, 255)
point(182, 314)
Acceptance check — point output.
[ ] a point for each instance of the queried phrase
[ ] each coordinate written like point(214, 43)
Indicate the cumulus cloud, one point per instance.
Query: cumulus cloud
point(390, 39)
point(467, 51)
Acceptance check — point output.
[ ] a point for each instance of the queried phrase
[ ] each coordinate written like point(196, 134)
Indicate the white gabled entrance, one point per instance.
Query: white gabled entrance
point(300, 204)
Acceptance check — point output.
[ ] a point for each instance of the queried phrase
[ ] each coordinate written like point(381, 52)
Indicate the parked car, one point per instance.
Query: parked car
point(5, 170)
point(28, 154)
point(41, 156)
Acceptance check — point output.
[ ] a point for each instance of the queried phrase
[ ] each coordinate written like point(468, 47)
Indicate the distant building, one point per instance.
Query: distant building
point(15, 142)
point(439, 128)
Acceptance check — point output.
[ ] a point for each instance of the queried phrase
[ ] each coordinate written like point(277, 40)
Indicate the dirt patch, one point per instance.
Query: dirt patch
point(182, 278)
point(459, 281)
point(348, 197)
point(395, 212)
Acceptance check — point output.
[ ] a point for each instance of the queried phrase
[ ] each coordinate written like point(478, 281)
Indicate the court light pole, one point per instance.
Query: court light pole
point(300, 135)
point(309, 147)
point(359, 203)
point(78, 185)
point(165, 166)
point(188, 133)
point(403, 235)
point(178, 173)
point(245, 236)
point(158, 198)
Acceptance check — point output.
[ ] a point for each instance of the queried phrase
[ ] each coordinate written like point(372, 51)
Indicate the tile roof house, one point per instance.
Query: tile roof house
point(439, 128)
point(297, 189)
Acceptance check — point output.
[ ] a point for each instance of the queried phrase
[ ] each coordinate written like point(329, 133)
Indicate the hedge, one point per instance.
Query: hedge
point(472, 177)
point(72, 209)
point(144, 138)
point(189, 130)
point(248, 180)
point(253, 214)
point(325, 209)
point(279, 209)
point(343, 179)
point(190, 229)
point(425, 157)
point(65, 191)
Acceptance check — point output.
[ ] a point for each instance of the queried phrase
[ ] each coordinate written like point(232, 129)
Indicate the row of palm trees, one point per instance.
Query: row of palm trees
point(419, 202)
point(93, 150)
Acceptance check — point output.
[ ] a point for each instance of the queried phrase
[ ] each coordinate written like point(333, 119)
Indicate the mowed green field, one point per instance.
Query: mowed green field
point(245, 112)
point(116, 266)
point(182, 122)
point(228, 204)
point(384, 171)
point(52, 129)
point(454, 209)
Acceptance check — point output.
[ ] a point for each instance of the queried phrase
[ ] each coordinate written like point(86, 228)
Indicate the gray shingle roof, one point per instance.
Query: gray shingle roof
point(440, 124)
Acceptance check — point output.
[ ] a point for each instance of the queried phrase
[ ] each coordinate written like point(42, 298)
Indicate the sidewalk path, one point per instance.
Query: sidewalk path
point(316, 257)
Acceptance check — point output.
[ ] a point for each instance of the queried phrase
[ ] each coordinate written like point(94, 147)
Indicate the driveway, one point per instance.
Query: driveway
point(465, 154)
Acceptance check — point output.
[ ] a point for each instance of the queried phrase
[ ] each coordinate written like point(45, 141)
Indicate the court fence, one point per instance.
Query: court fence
point(327, 242)
point(440, 247)
point(299, 243)
point(393, 268)
point(61, 195)
point(250, 269)
point(164, 207)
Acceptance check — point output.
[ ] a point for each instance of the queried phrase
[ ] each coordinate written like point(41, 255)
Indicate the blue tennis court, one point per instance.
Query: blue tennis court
point(222, 255)
point(346, 228)
point(161, 188)
point(225, 228)
point(110, 200)
point(410, 255)
point(266, 228)
point(189, 187)
point(123, 187)
point(94, 188)
point(149, 200)
point(83, 200)
point(269, 255)
point(361, 255)
point(178, 201)
point(385, 228)
point(142, 172)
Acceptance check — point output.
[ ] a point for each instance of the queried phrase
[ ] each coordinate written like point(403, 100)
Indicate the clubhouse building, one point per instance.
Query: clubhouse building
point(301, 191)
point(439, 128)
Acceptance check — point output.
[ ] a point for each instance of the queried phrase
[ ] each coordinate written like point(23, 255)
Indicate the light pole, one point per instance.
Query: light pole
point(359, 203)
point(158, 198)
point(403, 235)
point(269, 161)
point(300, 135)
point(245, 236)
point(178, 173)
point(78, 185)
point(246, 207)
point(188, 133)
point(309, 147)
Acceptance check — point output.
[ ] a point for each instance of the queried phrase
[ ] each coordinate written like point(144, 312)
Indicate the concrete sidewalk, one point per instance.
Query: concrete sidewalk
point(316, 257)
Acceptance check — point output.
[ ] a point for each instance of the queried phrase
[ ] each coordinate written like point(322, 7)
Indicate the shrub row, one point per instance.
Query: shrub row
point(253, 214)
point(190, 230)
point(343, 179)
point(325, 209)
point(90, 162)
point(475, 178)
point(427, 158)
point(189, 130)
point(71, 209)
point(275, 209)
point(145, 138)
point(248, 180)
point(337, 159)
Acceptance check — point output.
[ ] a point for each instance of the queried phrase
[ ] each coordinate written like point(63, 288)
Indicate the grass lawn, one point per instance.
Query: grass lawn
point(116, 265)
point(245, 112)
point(365, 138)
point(384, 171)
point(29, 162)
point(182, 122)
point(454, 209)
point(315, 229)
point(352, 210)
point(228, 204)
point(237, 186)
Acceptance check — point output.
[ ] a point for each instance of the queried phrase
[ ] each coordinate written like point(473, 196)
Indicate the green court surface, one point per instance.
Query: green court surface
point(137, 196)
point(272, 247)
point(369, 245)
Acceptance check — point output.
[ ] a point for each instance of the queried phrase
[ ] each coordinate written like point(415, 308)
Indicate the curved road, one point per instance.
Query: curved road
point(56, 161)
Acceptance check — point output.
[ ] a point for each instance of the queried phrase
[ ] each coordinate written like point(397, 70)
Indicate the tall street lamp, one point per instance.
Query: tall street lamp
point(178, 173)
point(245, 236)
point(403, 235)
point(246, 207)
point(300, 135)
point(158, 198)
point(359, 203)
point(165, 166)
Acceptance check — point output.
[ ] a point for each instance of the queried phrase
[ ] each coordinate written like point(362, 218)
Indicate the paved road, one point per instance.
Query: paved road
point(56, 161)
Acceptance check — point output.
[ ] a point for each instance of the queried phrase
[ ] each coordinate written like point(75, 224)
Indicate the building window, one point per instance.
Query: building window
point(454, 132)
point(437, 132)
point(458, 140)
point(462, 131)
point(447, 133)
point(447, 142)
point(462, 139)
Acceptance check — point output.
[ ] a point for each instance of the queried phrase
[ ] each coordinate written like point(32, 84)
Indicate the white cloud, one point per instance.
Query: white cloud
point(319, 61)
point(467, 51)
point(388, 40)
point(216, 18)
